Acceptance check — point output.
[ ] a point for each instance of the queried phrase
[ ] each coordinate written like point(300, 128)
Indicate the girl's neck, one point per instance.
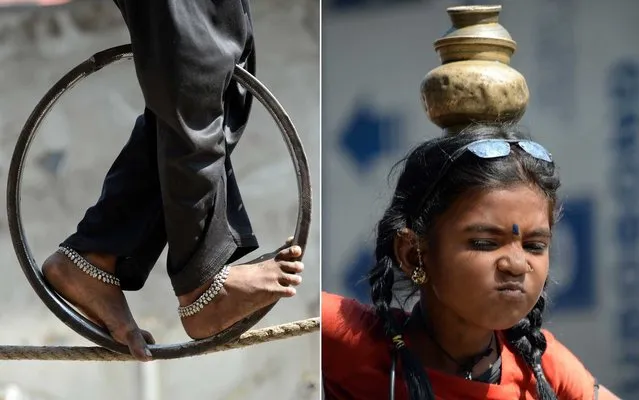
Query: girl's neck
point(444, 342)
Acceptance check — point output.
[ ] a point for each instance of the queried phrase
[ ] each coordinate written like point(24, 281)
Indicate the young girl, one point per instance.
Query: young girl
point(468, 230)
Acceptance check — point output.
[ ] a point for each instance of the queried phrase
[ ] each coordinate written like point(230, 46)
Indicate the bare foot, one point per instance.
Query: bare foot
point(100, 302)
point(247, 289)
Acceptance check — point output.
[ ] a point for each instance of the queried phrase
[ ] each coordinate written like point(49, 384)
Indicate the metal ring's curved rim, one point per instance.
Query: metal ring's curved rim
point(52, 300)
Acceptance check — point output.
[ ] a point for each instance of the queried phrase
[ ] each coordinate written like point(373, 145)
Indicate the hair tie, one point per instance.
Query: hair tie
point(537, 368)
point(398, 341)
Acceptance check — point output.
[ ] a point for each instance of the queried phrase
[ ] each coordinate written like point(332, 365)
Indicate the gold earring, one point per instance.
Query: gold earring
point(419, 275)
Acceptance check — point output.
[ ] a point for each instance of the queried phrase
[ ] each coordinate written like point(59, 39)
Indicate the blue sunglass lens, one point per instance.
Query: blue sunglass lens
point(490, 148)
point(536, 150)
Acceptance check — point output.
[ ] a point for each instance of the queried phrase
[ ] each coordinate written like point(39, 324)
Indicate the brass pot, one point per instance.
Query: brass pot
point(475, 82)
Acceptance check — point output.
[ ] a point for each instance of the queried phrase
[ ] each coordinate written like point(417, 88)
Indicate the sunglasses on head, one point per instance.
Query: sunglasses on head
point(488, 149)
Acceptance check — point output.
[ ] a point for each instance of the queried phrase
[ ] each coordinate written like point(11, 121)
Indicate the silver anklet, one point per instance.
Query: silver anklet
point(207, 296)
point(87, 267)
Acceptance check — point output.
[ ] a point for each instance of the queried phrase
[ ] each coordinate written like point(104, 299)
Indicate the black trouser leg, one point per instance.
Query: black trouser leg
point(185, 53)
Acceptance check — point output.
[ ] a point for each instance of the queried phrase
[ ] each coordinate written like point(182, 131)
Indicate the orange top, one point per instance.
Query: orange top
point(356, 362)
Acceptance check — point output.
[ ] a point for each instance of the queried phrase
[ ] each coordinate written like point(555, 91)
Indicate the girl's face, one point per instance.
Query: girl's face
point(490, 257)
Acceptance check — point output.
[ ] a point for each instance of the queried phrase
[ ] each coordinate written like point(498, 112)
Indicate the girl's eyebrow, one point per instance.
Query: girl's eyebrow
point(497, 230)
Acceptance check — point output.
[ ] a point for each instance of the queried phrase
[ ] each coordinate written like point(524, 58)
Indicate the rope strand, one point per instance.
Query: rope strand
point(80, 353)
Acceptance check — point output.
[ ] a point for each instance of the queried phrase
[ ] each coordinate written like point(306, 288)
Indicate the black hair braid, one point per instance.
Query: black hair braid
point(381, 280)
point(528, 340)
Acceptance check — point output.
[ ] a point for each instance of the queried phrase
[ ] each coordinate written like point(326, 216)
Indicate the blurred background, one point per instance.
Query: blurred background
point(581, 62)
point(39, 43)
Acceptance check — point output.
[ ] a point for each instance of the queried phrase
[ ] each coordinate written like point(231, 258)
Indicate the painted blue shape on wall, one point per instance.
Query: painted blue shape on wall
point(355, 276)
point(623, 91)
point(572, 258)
point(624, 78)
point(370, 134)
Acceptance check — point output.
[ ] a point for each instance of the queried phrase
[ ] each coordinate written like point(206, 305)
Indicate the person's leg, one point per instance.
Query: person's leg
point(185, 53)
point(122, 234)
point(127, 222)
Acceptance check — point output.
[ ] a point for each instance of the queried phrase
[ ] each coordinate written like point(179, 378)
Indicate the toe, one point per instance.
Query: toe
point(148, 337)
point(138, 345)
point(292, 267)
point(288, 243)
point(287, 291)
point(290, 279)
point(289, 253)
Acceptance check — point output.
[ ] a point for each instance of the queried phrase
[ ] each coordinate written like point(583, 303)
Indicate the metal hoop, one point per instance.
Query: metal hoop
point(52, 300)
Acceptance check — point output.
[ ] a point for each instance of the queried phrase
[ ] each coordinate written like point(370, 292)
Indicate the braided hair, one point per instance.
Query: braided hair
point(420, 167)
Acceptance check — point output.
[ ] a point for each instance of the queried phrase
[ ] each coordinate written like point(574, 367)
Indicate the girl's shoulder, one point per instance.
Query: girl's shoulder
point(565, 371)
point(348, 323)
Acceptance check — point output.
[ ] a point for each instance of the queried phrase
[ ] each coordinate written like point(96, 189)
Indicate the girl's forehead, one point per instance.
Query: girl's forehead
point(521, 205)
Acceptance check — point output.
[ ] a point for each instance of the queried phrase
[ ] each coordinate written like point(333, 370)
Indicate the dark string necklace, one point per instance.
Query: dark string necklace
point(466, 368)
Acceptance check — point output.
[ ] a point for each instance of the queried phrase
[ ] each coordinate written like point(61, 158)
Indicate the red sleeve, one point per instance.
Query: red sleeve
point(332, 336)
point(347, 335)
point(565, 372)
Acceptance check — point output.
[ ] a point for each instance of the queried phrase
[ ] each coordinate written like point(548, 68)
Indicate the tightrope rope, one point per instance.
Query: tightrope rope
point(81, 353)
